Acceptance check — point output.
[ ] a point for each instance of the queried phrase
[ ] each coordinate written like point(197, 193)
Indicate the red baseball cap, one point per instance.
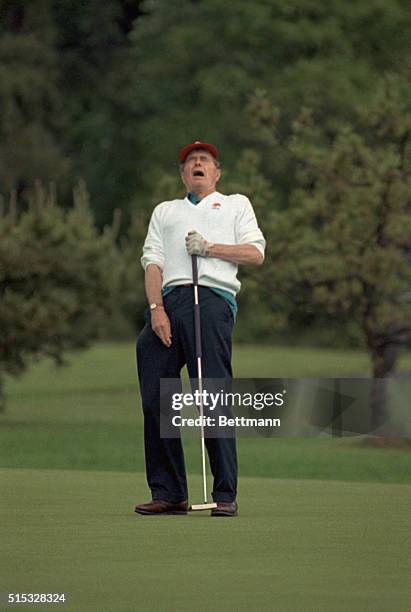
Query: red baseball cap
point(198, 144)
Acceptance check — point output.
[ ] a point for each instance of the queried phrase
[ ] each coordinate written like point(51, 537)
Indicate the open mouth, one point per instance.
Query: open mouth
point(198, 173)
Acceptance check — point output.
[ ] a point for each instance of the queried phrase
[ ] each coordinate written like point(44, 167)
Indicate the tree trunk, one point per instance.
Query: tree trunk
point(382, 435)
point(379, 391)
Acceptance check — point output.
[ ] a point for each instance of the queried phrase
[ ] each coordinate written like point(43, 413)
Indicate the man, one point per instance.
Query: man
point(225, 234)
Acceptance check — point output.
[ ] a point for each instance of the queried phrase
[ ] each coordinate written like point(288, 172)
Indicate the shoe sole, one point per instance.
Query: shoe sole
point(224, 514)
point(176, 512)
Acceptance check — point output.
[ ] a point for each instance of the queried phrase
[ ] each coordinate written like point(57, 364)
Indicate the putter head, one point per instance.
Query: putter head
point(203, 506)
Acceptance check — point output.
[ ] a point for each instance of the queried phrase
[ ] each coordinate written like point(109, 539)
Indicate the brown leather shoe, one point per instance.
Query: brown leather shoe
point(225, 509)
point(157, 506)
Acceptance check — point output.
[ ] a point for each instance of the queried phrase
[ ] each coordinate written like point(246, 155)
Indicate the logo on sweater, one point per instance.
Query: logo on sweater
point(216, 205)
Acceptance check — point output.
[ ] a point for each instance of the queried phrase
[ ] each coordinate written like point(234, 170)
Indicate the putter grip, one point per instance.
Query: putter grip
point(197, 321)
point(195, 269)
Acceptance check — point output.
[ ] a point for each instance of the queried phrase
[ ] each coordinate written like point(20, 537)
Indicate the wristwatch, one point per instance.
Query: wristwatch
point(154, 306)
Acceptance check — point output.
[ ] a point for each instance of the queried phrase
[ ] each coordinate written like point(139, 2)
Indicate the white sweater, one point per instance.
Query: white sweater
point(219, 219)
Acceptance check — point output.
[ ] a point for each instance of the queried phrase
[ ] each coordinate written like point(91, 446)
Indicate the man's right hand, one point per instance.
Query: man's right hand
point(160, 324)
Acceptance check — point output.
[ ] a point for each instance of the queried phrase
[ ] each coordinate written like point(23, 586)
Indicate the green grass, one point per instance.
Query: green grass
point(88, 416)
point(322, 523)
point(296, 545)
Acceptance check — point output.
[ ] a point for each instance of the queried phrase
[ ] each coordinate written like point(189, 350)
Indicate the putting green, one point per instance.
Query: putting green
point(296, 545)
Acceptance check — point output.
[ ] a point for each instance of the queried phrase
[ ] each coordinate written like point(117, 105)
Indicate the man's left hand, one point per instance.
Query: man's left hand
point(196, 244)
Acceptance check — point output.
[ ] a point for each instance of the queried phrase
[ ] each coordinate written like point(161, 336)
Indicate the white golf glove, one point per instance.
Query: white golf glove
point(196, 244)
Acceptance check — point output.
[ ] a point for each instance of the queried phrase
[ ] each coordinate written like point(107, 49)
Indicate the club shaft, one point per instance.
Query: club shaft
point(203, 458)
point(197, 329)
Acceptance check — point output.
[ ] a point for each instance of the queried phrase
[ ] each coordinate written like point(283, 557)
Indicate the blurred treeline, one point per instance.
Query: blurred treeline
point(107, 92)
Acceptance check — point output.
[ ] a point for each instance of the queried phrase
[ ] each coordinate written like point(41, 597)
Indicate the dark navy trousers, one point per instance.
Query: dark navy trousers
point(165, 468)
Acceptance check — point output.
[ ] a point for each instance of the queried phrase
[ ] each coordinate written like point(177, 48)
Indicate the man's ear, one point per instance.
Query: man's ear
point(218, 175)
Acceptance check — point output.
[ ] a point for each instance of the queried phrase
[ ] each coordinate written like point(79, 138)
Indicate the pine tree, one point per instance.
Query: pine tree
point(59, 279)
point(342, 247)
point(32, 120)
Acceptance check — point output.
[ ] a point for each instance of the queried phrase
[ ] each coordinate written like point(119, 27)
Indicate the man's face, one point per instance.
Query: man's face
point(199, 173)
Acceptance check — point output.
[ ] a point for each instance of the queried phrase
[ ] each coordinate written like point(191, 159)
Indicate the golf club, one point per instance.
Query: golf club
point(197, 329)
